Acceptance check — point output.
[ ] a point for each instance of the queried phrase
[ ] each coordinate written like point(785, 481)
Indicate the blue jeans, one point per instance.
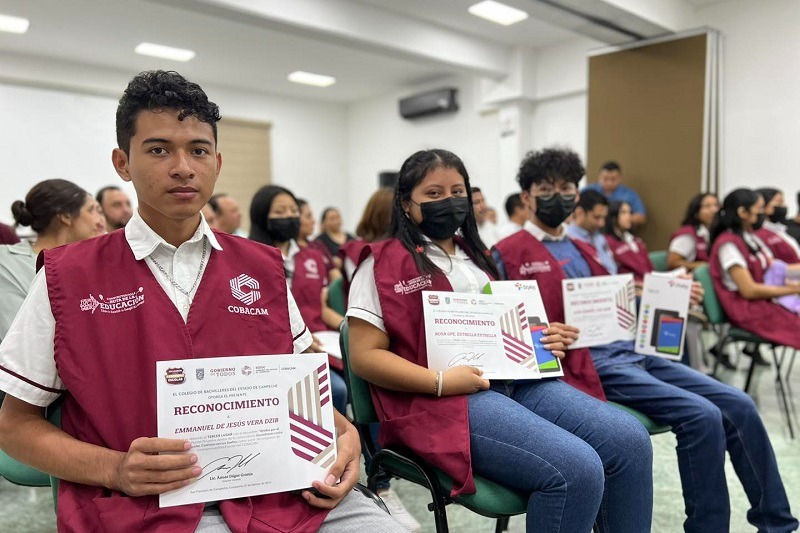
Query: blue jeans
point(708, 418)
point(582, 460)
point(338, 391)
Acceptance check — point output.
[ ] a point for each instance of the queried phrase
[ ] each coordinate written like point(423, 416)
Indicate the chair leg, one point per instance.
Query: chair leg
point(749, 378)
point(781, 389)
point(502, 524)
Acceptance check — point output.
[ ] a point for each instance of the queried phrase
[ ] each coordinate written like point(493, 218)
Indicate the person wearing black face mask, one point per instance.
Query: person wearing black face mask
point(773, 230)
point(275, 221)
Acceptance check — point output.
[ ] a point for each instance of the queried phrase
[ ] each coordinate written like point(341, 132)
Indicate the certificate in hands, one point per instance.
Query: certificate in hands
point(490, 332)
point(258, 424)
point(602, 307)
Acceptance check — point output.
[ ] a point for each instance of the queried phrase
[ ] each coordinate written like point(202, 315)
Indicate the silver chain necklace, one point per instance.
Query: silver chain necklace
point(174, 283)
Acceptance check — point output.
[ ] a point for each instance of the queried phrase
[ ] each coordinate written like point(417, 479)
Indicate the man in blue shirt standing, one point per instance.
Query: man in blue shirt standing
point(609, 182)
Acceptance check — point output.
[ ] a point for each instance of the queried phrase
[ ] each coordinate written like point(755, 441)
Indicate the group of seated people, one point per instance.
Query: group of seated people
point(583, 462)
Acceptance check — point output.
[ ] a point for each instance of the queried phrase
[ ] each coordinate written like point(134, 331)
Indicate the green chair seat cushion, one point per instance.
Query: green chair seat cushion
point(21, 474)
point(651, 427)
point(745, 336)
point(490, 499)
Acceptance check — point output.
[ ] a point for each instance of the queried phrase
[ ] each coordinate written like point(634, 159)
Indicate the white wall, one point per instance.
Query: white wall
point(51, 133)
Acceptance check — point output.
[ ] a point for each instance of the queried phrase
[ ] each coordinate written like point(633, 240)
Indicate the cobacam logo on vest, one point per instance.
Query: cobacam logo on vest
point(247, 290)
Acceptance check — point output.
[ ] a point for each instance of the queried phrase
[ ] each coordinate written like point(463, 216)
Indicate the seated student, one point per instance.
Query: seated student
point(609, 182)
point(793, 225)
point(574, 453)
point(111, 464)
point(275, 221)
point(304, 236)
point(588, 225)
point(487, 228)
point(773, 232)
point(708, 417)
point(739, 260)
point(374, 226)
point(516, 216)
point(689, 246)
point(331, 235)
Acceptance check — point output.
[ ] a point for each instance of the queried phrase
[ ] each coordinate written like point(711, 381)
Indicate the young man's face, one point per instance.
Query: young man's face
point(479, 206)
point(594, 220)
point(172, 163)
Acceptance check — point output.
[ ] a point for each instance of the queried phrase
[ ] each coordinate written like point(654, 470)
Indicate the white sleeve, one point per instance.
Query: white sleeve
point(300, 334)
point(684, 246)
point(363, 300)
point(730, 256)
point(27, 360)
point(349, 268)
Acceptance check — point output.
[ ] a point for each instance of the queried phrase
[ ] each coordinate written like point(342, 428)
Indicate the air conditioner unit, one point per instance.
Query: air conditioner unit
point(429, 103)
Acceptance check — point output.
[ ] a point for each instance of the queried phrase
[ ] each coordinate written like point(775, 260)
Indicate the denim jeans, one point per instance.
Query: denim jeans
point(582, 460)
point(708, 418)
point(338, 391)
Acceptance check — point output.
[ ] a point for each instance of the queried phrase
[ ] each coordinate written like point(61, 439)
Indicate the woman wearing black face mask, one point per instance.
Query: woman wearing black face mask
point(520, 434)
point(275, 221)
point(773, 232)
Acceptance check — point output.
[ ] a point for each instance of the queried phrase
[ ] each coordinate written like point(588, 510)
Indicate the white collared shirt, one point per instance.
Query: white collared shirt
point(686, 245)
point(730, 256)
point(27, 362)
point(780, 230)
point(542, 235)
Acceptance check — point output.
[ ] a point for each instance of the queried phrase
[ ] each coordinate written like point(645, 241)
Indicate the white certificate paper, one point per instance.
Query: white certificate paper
point(603, 307)
point(662, 316)
point(489, 332)
point(258, 424)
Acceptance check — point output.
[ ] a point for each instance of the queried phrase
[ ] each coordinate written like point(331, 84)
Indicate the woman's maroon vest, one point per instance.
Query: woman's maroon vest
point(700, 244)
point(113, 322)
point(762, 317)
point(630, 261)
point(525, 258)
point(780, 248)
point(310, 277)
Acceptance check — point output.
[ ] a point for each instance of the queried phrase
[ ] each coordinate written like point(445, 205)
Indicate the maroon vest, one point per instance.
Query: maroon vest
point(437, 429)
point(700, 244)
point(113, 322)
point(351, 250)
point(525, 258)
point(630, 261)
point(780, 248)
point(763, 317)
point(310, 277)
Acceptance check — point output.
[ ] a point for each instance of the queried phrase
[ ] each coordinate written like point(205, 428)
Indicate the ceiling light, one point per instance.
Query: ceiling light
point(164, 52)
point(307, 78)
point(497, 12)
point(14, 24)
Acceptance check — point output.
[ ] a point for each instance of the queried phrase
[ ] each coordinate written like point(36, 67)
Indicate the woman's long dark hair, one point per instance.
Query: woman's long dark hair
point(45, 201)
point(259, 212)
point(728, 217)
point(693, 210)
point(413, 171)
point(612, 218)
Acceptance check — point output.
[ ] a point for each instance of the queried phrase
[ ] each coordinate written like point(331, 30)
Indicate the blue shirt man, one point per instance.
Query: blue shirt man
point(609, 183)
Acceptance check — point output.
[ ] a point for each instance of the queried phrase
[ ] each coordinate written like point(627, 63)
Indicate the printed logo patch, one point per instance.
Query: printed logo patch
point(175, 376)
point(534, 267)
point(413, 285)
point(113, 304)
point(245, 289)
point(312, 270)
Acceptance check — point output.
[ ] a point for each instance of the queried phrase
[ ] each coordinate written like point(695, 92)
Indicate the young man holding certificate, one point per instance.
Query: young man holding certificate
point(102, 313)
point(708, 417)
point(582, 460)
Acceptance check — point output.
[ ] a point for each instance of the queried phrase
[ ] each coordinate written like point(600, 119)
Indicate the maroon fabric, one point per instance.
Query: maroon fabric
point(107, 363)
point(525, 258)
point(7, 235)
point(630, 261)
point(350, 250)
point(437, 429)
point(762, 317)
point(700, 244)
point(309, 279)
point(780, 248)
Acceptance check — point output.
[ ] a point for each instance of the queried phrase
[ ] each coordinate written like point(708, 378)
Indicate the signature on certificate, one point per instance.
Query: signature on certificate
point(228, 464)
point(466, 358)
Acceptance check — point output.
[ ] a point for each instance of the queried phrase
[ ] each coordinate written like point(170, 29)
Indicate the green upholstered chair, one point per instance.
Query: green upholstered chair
point(659, 260)
point(646, 421)
point(336, 298)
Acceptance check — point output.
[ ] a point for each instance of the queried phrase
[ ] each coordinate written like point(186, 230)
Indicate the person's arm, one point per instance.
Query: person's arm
point(28, 437)
point(639, 215)
point(751, 290)
point(676, 260)
point(331, 318)
point(638, 219)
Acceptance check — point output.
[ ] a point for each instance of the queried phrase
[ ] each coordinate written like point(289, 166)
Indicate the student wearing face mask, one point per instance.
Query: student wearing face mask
point(275, 221)
point(581, 460)
point(773, 230)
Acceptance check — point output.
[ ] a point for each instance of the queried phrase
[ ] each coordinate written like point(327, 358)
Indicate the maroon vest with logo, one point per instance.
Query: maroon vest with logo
point(525, 258)
point(437, 429)
point(630, 261)
point(113, 322)
point(310, 277)
point(763, 317)
point(779, 247)
point(700, 244)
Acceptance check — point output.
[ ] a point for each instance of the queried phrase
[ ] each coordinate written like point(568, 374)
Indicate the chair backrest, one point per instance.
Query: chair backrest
point(711, 305)
point(360, 396)
point(659, 260)
point(336, 299)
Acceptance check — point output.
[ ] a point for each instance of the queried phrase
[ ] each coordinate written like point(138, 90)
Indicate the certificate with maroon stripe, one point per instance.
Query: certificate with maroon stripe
point(490, 332)
point(258, 424)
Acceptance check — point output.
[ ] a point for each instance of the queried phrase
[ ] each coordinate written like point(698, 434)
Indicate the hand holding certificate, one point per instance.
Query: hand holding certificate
point(258, 424)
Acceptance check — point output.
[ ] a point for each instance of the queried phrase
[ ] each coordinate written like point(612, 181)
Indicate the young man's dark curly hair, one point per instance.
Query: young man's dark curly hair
point(549, 166)
point(157, 90)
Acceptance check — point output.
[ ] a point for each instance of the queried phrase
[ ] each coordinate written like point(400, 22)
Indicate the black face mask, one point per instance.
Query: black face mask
point(442, 218)
point(283, 229)
point(779, 215)
point(759, 222)
point(554, 210)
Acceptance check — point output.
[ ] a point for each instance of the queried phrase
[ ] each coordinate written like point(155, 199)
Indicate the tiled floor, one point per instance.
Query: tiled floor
point(31, 510)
